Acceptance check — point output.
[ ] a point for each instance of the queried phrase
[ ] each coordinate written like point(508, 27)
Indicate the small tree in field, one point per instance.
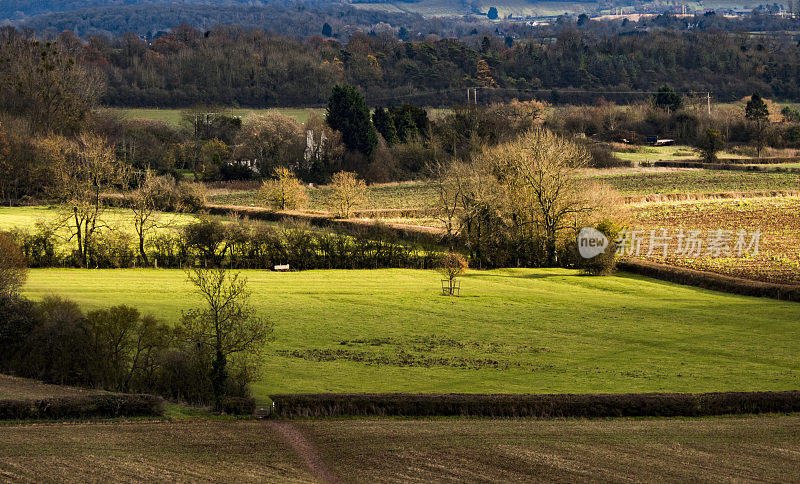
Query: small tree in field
point(226, 326)
point(451, 265)
point(757, 113)
point(284, 192)
point(709, 143)
point(347, 192)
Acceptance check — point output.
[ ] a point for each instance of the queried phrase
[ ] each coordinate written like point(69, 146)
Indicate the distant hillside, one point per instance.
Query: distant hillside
point(18, 9)
point(301, 21)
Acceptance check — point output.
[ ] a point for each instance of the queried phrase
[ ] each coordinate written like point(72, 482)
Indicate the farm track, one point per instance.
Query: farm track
point(305, 450)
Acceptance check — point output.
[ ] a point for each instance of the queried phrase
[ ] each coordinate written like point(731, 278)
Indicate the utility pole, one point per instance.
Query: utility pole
point(475, 93)
point(708, 101)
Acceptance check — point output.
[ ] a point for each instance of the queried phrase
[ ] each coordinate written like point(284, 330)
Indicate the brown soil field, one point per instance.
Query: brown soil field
point(778, 219)
point(22, 388)
point(747, 448)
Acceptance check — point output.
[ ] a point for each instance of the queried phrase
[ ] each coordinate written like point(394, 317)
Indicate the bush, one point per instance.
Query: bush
point(238, 406)
point(537, 406)
point(59, 347)
point(602, 264)
point(13, 271)
point(18, 317)
point(112, 250)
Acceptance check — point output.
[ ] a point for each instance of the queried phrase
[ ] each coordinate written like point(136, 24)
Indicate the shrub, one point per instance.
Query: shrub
point(18, 317)
point(284, 191)
point(347, 192)
point(238, 405)
point(59, 347)
point(112, 250)
point(13, 271)
point(602, 264)
point(451, 265)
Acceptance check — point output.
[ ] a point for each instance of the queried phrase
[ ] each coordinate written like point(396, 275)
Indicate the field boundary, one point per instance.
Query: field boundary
point(689, 197)
point(724, 166)
point(534, 406)
point(712, 281)
point(81, 407)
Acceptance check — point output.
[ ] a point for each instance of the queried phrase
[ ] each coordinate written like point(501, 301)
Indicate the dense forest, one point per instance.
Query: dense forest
point(248, 67)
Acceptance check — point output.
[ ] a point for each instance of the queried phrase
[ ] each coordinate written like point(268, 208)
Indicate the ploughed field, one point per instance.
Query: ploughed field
point(778, 220)
point(511, 331)
point(751, 448)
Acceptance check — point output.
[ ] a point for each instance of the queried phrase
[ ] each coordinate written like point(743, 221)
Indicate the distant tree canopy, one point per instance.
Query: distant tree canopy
point(492, 13)
point(348, 113)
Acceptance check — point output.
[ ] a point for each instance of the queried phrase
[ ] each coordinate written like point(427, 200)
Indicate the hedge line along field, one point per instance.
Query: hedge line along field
point(778, 219)
point(754, 448)
point(512, 331)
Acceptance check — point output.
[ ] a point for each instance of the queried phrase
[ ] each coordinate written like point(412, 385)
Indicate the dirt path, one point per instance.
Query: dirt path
point(303, 448)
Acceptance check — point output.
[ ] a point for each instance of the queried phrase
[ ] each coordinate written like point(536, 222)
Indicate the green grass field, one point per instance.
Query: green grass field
point(172, 117)
point(545, 330)
point(26, 218)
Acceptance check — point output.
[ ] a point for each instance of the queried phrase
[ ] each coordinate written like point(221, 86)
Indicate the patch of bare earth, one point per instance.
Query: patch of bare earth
point(23, 388)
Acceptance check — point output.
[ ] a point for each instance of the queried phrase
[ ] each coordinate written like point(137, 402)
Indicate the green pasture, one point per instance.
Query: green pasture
point(26, 218)
point(665, 153)
point(172, 117)
point(513, 330)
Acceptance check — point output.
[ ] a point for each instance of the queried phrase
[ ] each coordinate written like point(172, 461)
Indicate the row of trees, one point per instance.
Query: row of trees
point(208, 356)
point(233, 66)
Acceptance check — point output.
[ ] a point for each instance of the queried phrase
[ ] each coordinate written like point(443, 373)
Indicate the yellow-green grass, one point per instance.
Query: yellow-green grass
point(26, 218)
point(628, 181)
point(763, 448)
point(665, 153)
point(173, 118)
point(514, 330)
point(406, 195)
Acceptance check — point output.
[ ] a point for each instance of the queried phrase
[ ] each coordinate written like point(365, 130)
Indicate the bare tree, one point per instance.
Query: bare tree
point(84, 169)
point(451, 265)
point(227, 325)
point(540, 171)
point(145, 203)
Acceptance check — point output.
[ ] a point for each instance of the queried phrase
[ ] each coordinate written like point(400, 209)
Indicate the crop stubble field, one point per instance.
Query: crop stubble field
point(754, 448)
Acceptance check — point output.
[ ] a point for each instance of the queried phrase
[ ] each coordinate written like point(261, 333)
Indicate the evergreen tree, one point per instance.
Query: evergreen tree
point(757, 113)
point(492, 13)
point(384, 123)
point(327, 31)
point(666, 98)
point(348, 113)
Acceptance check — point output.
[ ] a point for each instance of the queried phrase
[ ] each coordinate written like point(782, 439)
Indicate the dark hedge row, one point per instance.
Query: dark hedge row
point(537, 406)
point(85, 406)
point(715, 282)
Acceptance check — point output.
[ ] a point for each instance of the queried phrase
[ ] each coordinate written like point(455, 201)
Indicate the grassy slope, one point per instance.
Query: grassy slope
point(512, 331)
point(755, 448)
point(27, 217)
